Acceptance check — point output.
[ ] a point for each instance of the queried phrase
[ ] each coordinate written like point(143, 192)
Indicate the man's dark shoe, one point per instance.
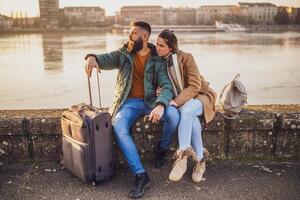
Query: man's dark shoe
point(160, 156)
point(141, 184)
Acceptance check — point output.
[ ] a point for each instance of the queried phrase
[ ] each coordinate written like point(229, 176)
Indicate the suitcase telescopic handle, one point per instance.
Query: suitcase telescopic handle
point(90, 90)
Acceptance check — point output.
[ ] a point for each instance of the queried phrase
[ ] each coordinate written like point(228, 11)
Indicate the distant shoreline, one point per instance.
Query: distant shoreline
point(58, 30)
point(273, 28)
point(250, 28)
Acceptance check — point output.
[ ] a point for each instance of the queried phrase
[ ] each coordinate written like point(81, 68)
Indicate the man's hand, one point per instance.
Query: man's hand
point(90, 64)
point(156, 114)
point(173, 103)
point(158, 91)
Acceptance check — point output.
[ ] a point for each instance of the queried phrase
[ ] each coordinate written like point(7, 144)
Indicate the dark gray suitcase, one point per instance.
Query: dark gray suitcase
point(87, 142)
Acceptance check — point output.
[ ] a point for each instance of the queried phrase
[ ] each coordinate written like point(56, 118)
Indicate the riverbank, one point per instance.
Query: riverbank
point(259, 132)
point(58, 30)
point(114, 29)
point(273, 28)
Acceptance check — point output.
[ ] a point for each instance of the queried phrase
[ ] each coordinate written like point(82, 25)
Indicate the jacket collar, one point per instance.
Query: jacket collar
point(152, 47)
point(179, 56)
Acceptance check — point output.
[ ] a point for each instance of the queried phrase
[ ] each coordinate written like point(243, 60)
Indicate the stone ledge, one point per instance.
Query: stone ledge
point(258, 132)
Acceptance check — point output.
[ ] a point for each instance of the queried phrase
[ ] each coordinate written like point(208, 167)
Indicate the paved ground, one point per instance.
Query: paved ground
point(223, 180)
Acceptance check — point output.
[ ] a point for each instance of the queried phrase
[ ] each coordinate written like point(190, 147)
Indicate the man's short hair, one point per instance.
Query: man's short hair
point(144, 25)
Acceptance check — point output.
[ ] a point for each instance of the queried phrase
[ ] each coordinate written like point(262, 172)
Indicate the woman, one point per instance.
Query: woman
point(194, 98)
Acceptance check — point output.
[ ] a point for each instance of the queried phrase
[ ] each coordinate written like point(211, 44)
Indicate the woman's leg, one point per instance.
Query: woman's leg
point(196, 139)
point(197, 145)
point(188, 113)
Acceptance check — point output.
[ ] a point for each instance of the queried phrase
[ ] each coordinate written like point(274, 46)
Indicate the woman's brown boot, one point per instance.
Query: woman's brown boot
point(180, 165)
point(206, 155)
point(198, 171)
point(199, 167)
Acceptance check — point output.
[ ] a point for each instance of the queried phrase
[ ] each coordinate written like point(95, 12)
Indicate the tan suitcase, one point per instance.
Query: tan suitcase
point(87, 143)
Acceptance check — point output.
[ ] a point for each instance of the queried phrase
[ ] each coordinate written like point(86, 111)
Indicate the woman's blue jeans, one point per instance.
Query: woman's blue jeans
point(189, 129)
point(130, 111)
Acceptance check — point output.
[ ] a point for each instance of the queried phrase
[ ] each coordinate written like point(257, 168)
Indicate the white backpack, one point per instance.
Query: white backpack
point(233, 97)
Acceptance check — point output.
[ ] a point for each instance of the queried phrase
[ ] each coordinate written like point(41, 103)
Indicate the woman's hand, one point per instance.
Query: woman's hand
point(173, 103)
point(158, 91)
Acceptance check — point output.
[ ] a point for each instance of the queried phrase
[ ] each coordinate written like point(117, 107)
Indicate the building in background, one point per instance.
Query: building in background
point(5, 22)
point(258, 13)
point(291, 12)
point(186, 16)
point(210, 14)
point(49, 13)
point(110, 20)
point(117, 17)
point(51, 17)
point(83, 16)
point(170, 16)
point(297, 19)
point(151, 14)
point(179, 16)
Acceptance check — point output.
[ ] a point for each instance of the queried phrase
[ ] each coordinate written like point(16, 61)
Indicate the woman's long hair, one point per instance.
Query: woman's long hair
point(170, 39)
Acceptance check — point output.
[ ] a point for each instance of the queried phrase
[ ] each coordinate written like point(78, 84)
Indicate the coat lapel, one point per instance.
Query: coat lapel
point(180, 61)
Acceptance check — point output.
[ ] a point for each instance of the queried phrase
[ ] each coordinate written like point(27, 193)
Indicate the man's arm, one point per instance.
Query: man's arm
point(105, 61)
point(165, 95)
point(164, 82)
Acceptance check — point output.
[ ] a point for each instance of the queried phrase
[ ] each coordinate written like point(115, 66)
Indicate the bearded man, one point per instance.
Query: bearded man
point(141, 71)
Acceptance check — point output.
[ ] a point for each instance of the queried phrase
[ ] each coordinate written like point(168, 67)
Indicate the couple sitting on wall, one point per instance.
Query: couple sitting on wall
point(163, 82)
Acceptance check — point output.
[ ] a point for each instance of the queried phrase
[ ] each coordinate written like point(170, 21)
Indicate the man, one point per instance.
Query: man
point(141, 71)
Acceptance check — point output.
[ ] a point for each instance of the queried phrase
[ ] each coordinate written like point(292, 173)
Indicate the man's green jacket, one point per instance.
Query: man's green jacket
point(155, 74)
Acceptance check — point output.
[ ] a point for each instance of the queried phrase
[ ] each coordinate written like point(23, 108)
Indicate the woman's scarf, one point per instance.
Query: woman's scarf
point(174, 73)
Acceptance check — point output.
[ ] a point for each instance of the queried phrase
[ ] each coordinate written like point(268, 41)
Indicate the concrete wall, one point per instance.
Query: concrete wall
point(273, 28)
point(257, 133)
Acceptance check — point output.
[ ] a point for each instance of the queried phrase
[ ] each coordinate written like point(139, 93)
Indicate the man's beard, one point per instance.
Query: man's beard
point(135, 46)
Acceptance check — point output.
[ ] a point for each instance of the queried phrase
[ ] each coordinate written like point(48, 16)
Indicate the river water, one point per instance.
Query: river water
point(46, 70)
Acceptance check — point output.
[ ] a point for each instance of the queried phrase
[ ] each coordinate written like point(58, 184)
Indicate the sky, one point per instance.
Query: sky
point(31, 7)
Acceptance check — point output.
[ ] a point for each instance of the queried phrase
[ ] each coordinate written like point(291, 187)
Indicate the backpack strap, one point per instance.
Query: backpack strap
point(237, 77)
point(235, 116)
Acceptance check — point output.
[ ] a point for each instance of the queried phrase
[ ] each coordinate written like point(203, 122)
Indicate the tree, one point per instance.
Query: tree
point(282, 17)
point(297, 19)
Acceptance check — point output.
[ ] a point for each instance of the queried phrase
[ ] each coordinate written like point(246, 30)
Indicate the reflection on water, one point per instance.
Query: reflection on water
point(242, 39)
point(53, 51)
point(46, 70)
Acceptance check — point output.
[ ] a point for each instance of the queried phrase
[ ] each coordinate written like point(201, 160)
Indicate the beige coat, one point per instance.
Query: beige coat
point(195, 86)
